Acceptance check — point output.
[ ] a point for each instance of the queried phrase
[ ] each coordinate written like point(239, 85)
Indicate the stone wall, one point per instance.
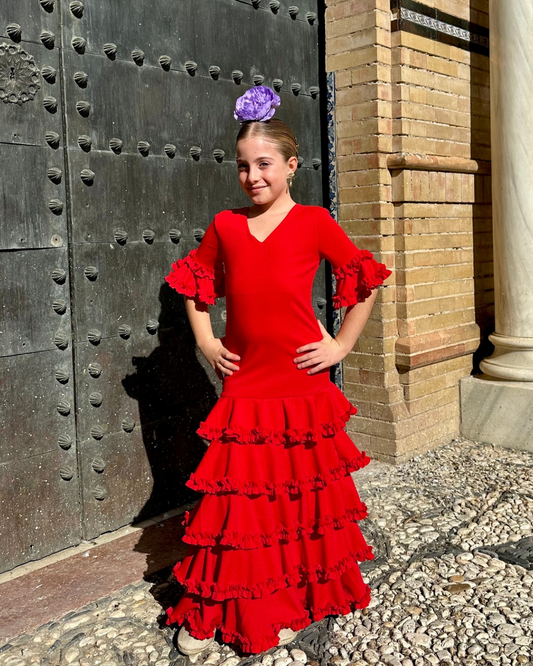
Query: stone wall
point(413, 160)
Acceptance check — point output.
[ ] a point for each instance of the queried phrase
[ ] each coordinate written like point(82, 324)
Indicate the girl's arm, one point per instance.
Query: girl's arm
point(353, 323)
point(218, 357)
point(328, 351)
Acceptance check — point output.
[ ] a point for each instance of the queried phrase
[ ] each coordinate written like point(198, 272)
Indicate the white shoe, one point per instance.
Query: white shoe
point(286, 636)
point(190, 645)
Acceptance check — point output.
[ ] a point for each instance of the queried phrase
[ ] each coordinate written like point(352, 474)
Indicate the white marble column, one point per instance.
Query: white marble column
point(511, 98)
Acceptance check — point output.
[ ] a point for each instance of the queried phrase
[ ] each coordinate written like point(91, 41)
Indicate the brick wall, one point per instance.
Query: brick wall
point(413, 160)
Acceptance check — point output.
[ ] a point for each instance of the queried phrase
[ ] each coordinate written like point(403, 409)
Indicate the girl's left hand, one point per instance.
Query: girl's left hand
point(322, 354)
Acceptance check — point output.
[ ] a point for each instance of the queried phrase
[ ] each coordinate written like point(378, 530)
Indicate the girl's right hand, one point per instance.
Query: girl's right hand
point(218, 357)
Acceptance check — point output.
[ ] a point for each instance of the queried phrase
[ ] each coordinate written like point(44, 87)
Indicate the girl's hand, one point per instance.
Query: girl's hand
point(218, 357)
point(322, 354)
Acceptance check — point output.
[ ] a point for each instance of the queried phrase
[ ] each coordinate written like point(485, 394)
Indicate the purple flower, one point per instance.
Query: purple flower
point(258, 103)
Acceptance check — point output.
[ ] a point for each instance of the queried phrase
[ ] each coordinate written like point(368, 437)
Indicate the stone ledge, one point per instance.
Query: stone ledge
point(35, 593)
point(429, 348)
point(400, 161)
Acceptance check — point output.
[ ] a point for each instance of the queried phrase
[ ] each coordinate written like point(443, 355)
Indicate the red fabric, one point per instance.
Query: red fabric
point(356, 279)
point(274, 541)
point(195, 280)
point(247, 521)
point(277, 421)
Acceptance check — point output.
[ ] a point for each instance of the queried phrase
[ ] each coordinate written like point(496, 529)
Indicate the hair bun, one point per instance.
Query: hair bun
point(258, 103)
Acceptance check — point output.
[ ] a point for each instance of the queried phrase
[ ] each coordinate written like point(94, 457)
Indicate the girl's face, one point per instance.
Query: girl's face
point(263, 170)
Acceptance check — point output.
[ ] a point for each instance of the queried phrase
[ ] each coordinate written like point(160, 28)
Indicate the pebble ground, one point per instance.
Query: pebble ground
point(452, 581)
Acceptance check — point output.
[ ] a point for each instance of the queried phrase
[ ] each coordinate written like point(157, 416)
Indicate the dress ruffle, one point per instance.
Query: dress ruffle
point(296, 420)
point(243, 522)
point(189, 277)
point(356, 279)
point(274, 541)
point(253, 624)
point(211, 572)
point(227, 467)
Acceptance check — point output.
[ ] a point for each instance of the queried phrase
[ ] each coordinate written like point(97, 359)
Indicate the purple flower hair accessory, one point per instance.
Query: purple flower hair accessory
point(258, 103)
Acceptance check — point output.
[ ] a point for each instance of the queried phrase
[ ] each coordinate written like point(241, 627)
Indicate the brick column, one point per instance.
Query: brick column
point(358, 50)
point(414, 188)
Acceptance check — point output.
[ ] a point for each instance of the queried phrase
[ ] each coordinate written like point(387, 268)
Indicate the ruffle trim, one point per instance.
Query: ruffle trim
point(296, 420)
point(335, 609)
point(255, 647)
point(262, 435)
point(356, 279)
point(269, 487)
point(189, 277)
point(300, 573)
point(261, 646)
point(267, 642)
point(259, 539)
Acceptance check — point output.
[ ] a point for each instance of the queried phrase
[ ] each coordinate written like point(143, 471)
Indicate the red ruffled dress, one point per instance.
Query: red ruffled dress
point(274, 540)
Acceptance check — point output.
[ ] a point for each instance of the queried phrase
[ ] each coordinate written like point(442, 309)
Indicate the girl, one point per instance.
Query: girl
point(274, 541)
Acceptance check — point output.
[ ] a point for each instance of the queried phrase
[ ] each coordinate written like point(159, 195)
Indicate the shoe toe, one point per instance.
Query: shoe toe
point(286, 636)
point(190, 645)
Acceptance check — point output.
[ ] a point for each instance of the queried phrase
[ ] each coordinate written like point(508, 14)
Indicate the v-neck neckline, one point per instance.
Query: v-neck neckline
point(247, 210)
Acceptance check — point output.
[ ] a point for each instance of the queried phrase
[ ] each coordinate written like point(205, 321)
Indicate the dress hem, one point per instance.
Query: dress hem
point(268, 641)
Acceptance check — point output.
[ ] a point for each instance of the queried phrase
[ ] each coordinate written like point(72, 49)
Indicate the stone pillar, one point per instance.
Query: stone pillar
point(499, 408)
point(511, 97)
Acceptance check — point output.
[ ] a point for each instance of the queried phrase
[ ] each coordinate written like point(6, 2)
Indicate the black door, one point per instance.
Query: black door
point(116, 150)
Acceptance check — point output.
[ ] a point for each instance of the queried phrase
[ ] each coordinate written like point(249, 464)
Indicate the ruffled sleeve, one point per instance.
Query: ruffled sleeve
point(356, 271)
point(200, 274)
point(356, 278)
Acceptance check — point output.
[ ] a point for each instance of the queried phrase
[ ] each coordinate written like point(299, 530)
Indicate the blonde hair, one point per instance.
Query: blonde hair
point(273, 130)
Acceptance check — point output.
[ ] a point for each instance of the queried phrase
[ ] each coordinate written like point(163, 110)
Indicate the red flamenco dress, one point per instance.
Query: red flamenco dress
point(274, 541)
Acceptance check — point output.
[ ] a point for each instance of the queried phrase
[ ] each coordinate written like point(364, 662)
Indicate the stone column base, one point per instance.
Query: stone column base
point(498, 412)
point(512, 359)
